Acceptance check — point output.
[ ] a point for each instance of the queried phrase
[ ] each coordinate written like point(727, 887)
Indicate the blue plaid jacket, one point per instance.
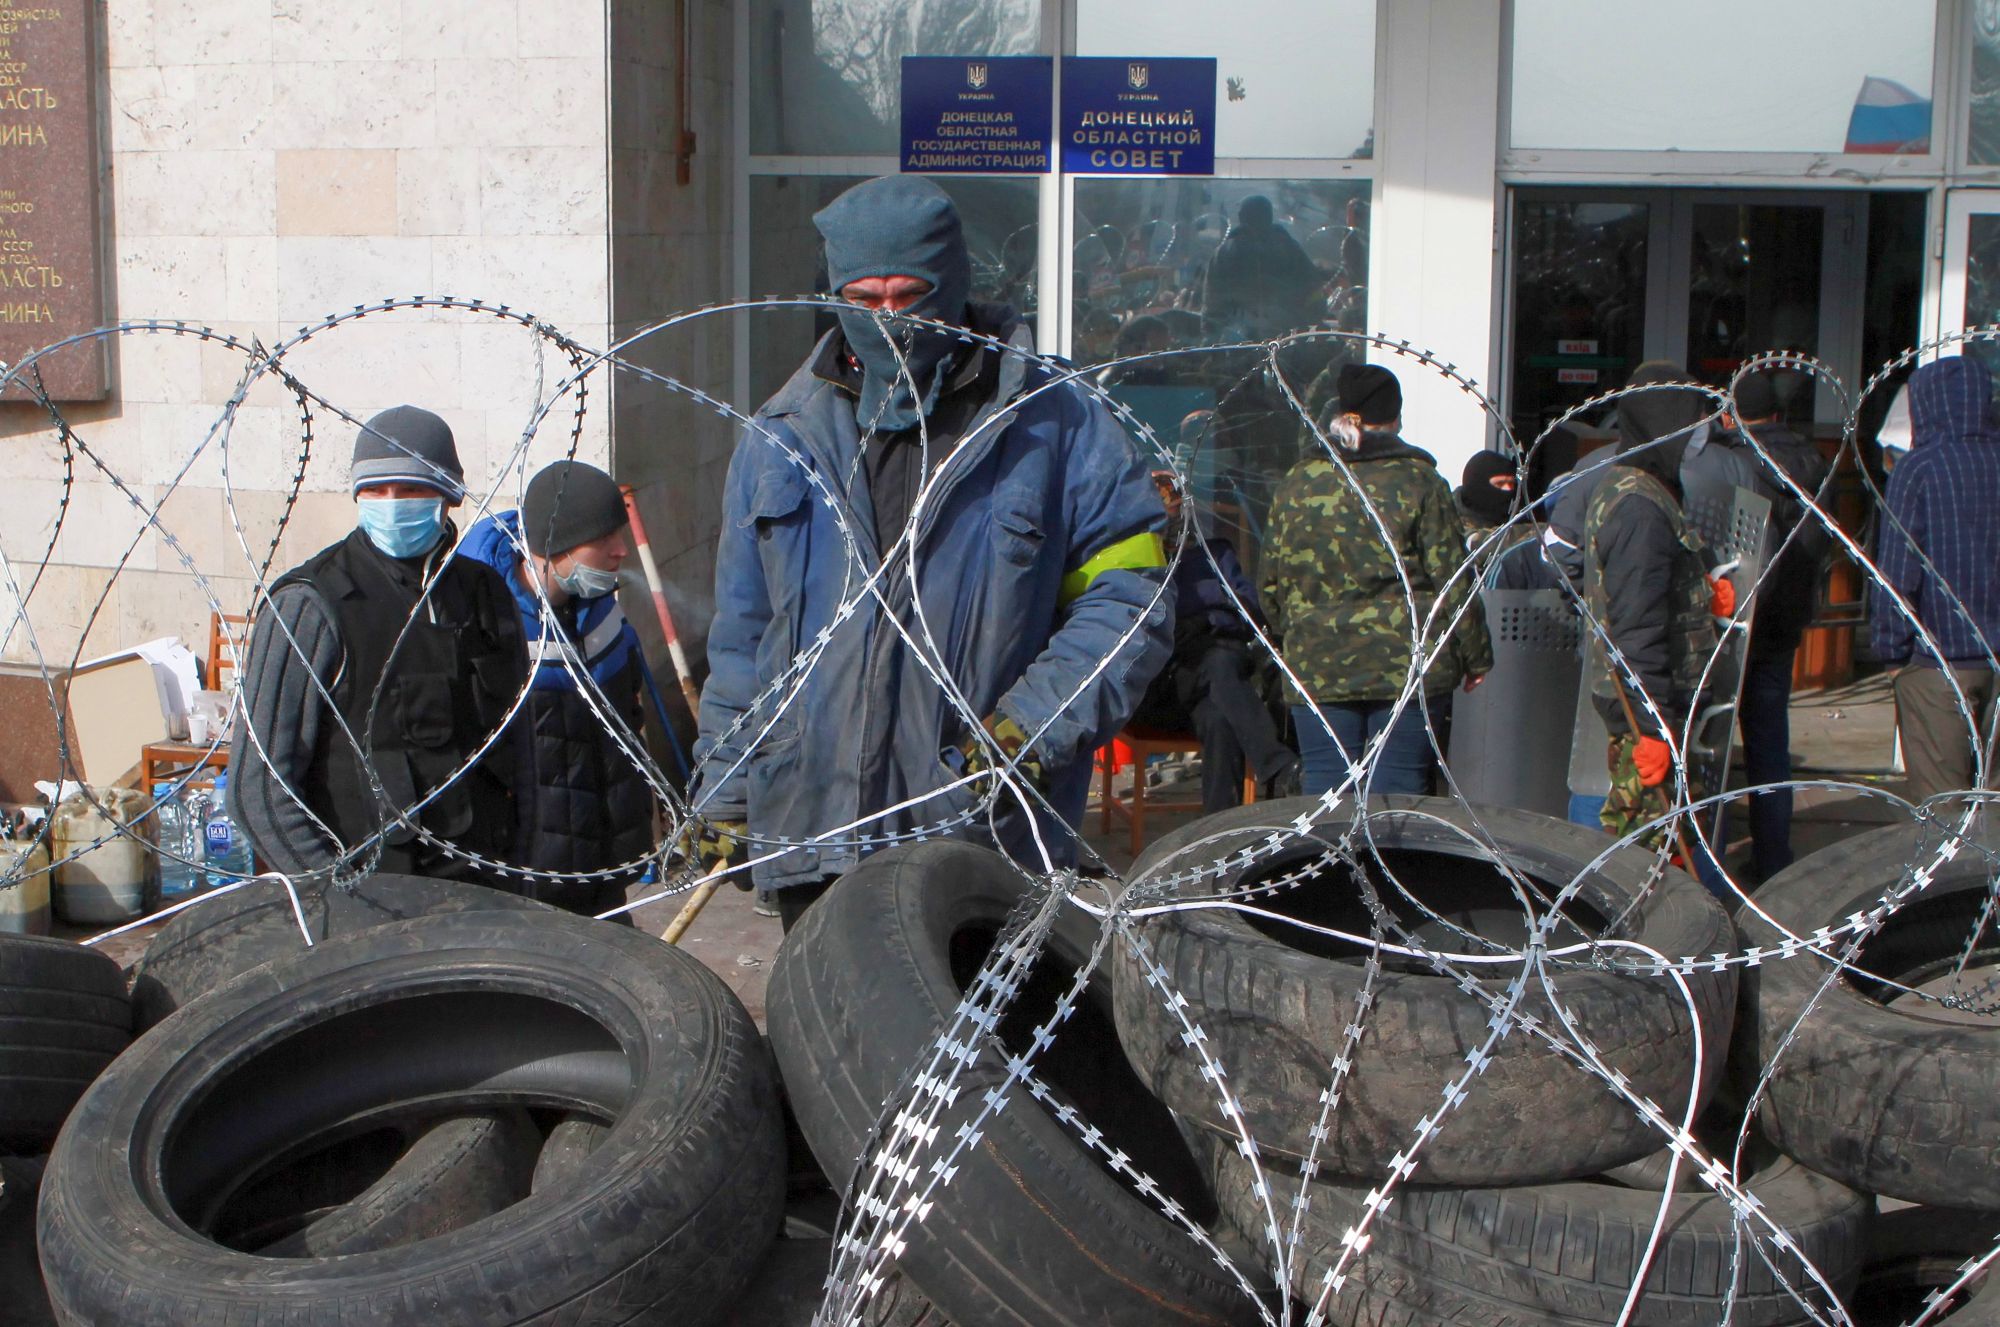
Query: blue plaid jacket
point(1945, 497)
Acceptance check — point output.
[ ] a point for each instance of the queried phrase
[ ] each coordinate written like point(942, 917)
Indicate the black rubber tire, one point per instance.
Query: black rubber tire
point(64, 1016)
point(1557, 1253)
point(1032, 1229)
point(1274, 1014)
point(1914, 1251)
point(23, 1302)
point(788, 1290)
point(222, 938)
point(564, 1151)
point(405, 1181)
point(1893, 1101)
point(471, 1011)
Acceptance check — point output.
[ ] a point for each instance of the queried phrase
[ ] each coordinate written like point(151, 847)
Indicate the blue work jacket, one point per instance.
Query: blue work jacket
point(1038, 568)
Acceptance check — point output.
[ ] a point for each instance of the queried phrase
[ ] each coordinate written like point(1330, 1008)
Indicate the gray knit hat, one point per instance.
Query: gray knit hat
point(406, 445)
point(570, 503)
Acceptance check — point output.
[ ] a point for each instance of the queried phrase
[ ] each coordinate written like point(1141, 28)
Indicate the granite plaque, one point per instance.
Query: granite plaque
point(49, 234)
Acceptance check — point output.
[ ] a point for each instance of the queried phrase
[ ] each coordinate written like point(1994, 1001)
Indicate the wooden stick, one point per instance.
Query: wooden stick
point(698, 900)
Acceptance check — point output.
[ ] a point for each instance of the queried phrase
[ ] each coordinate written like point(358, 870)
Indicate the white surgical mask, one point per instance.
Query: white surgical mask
point(583, 582)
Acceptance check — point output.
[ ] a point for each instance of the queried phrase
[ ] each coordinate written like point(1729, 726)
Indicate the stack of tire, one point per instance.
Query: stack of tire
point(1533, 1199)
point(455, 1107)
point(1882, 1070)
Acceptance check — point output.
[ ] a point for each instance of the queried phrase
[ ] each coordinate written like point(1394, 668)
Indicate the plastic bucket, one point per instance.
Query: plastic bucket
point(24, 888)
point(106, 883)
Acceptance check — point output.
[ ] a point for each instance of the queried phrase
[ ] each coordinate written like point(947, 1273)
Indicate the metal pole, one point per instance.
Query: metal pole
point(652, 571)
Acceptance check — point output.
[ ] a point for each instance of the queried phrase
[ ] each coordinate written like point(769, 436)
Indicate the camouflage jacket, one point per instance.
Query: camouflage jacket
point(1332, 588)
point(1646, 582)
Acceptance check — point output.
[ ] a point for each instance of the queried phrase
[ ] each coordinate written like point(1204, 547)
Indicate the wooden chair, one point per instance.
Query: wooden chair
point(1144, 743)
point(219, 657)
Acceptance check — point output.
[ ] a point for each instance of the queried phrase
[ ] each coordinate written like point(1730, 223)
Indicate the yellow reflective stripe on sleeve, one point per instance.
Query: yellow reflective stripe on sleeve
point(1139, 553)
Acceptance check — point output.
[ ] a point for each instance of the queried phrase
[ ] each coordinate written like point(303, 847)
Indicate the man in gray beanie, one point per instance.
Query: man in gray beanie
point(1011, 527)
point(582, 803)
point(377, 671)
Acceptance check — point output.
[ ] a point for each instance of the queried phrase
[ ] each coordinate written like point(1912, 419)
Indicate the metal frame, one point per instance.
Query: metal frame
point(1961, 205)
point(1056, 208)
point(1823, 169)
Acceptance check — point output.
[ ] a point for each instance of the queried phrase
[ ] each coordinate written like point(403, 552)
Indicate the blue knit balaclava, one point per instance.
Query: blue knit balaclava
point(898, 225)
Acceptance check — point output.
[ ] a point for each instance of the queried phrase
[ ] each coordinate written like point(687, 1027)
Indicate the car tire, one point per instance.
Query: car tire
point(1031, 1230)
point(473, 1011)
point(64, 1016)
point(1559, 1253)
point(1272, 1002)
point(224, 937)
point(1889, 1095)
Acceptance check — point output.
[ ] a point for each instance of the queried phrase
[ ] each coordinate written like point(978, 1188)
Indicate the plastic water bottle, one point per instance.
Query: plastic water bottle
point(177, 877)
point(229, 858)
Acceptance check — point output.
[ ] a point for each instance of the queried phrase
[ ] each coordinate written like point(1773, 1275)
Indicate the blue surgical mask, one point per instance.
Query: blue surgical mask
point(402, 527)
point(581, 582)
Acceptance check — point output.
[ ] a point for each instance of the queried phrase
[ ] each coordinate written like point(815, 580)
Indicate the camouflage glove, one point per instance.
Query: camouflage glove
point(1010, 737)
point(720, 843)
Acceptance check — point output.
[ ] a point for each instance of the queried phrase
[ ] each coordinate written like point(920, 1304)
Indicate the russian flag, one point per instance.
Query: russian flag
point(1888, 118)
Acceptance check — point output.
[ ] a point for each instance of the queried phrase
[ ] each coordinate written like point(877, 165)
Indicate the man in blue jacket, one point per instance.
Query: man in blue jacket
point(584, 810)
point(939, 586)
point(1939, 548)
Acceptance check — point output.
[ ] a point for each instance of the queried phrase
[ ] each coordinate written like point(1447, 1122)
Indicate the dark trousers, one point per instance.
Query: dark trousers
point(793, 900)
point(1764, 717)
point(1211, 691)
point(1234, 725)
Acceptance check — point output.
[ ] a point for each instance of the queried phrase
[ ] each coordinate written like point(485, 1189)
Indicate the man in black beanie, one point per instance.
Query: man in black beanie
point(377, 671)
point(581, 798)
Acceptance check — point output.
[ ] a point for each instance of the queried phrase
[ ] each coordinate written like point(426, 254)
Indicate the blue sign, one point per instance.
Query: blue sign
point(1138, 116)
point(977, 114)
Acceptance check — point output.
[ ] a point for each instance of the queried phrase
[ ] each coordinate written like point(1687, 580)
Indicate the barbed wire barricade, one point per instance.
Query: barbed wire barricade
point(1263, 869)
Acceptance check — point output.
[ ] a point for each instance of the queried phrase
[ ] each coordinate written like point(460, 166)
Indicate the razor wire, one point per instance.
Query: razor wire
point(928, 1125)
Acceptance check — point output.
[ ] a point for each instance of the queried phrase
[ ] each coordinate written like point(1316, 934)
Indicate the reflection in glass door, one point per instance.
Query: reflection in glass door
point(1972, 270)
point(1708, 278)
point(1754, 285)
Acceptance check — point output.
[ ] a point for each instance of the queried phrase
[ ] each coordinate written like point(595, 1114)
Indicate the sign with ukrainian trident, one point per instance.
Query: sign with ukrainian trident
point(1134, 116)
point(977, 115)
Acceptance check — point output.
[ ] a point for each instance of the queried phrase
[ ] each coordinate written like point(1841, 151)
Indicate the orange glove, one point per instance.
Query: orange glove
point(1721, 597)
point(1653, 758)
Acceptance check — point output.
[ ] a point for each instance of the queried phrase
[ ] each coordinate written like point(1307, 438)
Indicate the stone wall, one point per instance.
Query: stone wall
point(270, 162)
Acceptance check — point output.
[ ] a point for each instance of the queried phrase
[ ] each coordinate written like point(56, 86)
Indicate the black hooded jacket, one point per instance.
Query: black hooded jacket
point(1637, 546)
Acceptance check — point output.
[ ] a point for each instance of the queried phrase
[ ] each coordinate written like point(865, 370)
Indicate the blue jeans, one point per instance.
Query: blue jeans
point(1402, 766)
point(1764, 714)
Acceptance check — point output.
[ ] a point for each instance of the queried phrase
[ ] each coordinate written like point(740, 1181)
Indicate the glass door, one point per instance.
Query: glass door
point(1971, 296)
point(1600, 280)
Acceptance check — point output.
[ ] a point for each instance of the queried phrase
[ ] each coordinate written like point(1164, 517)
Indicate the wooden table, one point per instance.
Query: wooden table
point(164, 762)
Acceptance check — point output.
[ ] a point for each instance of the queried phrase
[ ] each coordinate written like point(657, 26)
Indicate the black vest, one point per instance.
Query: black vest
point(421, 685)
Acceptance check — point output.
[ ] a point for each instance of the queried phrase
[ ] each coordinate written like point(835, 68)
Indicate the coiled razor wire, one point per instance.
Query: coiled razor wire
point(925, 1128)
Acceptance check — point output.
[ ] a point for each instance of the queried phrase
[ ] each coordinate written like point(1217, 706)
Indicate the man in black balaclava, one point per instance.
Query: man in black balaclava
point(1012, 530)
point(1648, 587)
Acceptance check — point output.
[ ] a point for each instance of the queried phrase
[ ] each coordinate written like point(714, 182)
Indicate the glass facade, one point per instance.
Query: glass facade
point(1983, 119)
point(786, 259)
point(825, 74)
point(1294, 78)
point(1835, 76)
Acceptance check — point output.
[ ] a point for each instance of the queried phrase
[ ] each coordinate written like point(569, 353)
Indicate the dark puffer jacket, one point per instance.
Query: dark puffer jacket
point(581, 802)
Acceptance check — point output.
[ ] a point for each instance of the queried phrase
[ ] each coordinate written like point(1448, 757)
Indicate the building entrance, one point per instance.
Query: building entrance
point(1601, 280)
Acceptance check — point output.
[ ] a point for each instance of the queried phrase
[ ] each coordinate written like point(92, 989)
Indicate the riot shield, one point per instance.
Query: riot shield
point(1510, 738)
